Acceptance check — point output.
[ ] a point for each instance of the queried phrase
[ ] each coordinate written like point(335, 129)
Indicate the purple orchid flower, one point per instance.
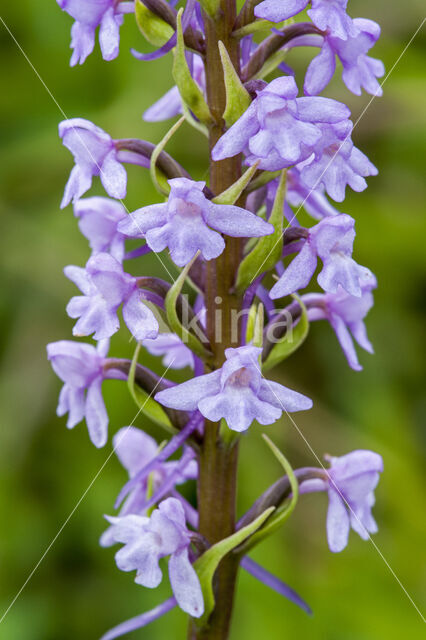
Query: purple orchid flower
point(97, 220)
point(352, 479)
point(337, 163)
point(278, 128)
point(105, 286)
point(359, 70)
point(332, 241)
point(170, 104)
point(346, 315)
point(135, 449)
point(176, 355)
point(236, 392)
point(147, 540)
point(81, 368)
point(183, 223)
point(325, 14)
point(313, 200)
point(90, 14)
point(94, 155)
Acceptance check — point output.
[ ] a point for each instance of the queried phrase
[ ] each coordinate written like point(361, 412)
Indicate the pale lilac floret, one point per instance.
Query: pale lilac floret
point(176, 355)
point(279, 129)
point(325, 14)
point(170, 104)
point(332, 241)
point(188, 222)
point(351, 481)
point(80, 367)
point(98, 219)
point(346, 315)
point(359, 70)
point(236, 392)
point(135, 449)
point(313, 200)
point(337, 163)
point(88, 15)
point(105, 286)
point(94, 155)
point(147, 540)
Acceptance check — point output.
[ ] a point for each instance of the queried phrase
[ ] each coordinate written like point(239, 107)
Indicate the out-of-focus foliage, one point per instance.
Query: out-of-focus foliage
point(76, 591)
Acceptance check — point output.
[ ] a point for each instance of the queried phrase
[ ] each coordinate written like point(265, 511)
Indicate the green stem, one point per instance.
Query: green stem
point(217, 479)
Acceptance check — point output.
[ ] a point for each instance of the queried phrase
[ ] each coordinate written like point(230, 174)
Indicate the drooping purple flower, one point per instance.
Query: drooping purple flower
point(135, 449)
point(351, 481)
point(236, 392)
point(88, 15)
point(337, 163)
point(80, 367)
point(278, 128)
point(325, 14)
point(183, 223)
point(147, 540)
point(105, 286)
point(170, 104)
point(346, 315)
point(94, 155)
point(313, 200)
point(359, 70)
point(332, 241)
point(98, 219)
point(176, 355)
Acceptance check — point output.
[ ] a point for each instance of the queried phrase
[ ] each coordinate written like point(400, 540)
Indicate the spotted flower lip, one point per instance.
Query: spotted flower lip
point(90, 14)
point(105, 286)
point(351, 481)
point(147, 540)
point(359, 70)
point(236, 392)
point(325, 14)
point(331, 240)
point(279, 129)
point(188, 222)
point(80, 367)
point(94, 155)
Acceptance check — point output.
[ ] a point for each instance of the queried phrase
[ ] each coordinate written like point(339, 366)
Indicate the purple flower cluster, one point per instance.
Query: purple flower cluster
point(302, 150)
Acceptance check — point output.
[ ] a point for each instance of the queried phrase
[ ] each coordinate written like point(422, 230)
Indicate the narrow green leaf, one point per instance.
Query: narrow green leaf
point(231, 195)
point(207, 564)
point(281, 514)
point(172, 317)
point(237, 97)
point(254, 27)
point(189, 90)
point(268, 250)
point(144, 402)
point(258, 327)
point(152, 27)
point(161, 184)
point(262, 179)
point(271, 64)
point(291, 341)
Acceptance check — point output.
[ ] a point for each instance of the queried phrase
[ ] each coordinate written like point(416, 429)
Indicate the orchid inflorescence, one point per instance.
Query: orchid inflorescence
point(245, 259)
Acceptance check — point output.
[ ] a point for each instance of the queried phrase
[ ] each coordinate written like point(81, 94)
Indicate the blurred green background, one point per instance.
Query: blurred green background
point(77, 592)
